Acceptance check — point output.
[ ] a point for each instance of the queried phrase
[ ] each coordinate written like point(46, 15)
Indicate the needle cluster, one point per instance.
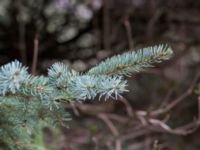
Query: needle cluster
point(27, 100)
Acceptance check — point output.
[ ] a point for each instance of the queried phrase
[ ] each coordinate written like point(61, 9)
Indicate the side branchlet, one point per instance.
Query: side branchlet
point(27, 100)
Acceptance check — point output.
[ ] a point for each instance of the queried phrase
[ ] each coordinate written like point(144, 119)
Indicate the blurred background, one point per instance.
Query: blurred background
point(82, 33)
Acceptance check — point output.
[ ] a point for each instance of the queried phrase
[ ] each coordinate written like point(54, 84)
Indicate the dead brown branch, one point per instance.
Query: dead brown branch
point(111, 126)
point(129, 109)
point(128, 32)
point(35, 53)
point(174, 102)
point(113, 129)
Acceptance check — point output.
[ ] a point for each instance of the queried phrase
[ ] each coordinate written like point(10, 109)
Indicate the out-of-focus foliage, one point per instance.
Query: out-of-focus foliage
point(58, 22)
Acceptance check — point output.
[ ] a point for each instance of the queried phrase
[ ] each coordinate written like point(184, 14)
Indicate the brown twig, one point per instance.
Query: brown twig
point(109, 123)
point(167, 97)
point(118, 118)
point(152, 22)
point(118, 145)
point(135, 134)
point(174, 102)
point(112, 128)
point(35, 53)
point(178, 131)
point(75, 110)
point(160, 126)
point(128, 32)
point(129, 109)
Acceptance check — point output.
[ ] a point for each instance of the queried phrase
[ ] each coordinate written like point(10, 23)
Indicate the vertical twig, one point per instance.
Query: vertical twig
point(128, 32)
point(118, 145)
point(151, 24)
point(35, 53)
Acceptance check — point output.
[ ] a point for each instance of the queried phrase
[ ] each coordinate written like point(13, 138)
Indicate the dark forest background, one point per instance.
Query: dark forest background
point(82, 33)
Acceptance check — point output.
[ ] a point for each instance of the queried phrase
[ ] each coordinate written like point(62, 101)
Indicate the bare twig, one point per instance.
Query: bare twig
point(75, 110)
point(160, 126)
point(109, 123)
point(113, 129)
point(117, 118)
point(135, 134)
point(174, 102)
point(152, 22)
point(35, 53)
point(178, 131)
point(128, 32)
point(167, 97)
point(118, 145)
point(128, 106)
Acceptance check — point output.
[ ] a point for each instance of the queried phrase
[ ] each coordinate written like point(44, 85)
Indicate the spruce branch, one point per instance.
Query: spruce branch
point(27, 100)
point(11, 77)
point(132, 61)
point(88, 87)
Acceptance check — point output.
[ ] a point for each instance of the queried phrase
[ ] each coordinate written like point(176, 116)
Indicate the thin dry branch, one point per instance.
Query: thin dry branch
point(129, 109)
point(35, 53)
point(160, 126)
point(174, 102)
point(178, 131)
point(113, 129)
point(135, 134)
point(128, 32)
point(109, 123)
